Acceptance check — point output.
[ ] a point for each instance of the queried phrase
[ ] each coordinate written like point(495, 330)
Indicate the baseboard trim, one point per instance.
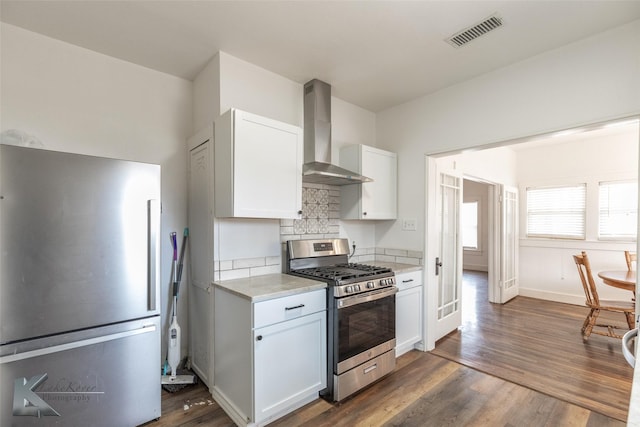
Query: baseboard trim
point(475, 267)
point(552, 296)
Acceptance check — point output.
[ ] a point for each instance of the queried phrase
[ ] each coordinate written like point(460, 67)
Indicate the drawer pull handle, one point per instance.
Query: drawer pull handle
point(370, 368)
point(259, 338)
point(294, 307)
point(407, 281)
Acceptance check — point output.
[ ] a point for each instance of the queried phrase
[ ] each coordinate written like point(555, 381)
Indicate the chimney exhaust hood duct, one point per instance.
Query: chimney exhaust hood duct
point(317, 166)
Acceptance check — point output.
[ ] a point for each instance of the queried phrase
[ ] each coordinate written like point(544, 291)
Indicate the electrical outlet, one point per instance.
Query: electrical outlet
point(409, 224)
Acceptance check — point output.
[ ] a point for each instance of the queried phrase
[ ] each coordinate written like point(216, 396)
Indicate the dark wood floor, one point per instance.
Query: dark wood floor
point(427, 389)
point(539, 345)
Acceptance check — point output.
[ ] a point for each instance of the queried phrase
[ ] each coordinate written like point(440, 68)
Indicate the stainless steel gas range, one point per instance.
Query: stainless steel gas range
point(361, 318)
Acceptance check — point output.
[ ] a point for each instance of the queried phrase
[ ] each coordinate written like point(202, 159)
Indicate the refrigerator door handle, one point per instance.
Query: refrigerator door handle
point(153, 222)
point(75, 344)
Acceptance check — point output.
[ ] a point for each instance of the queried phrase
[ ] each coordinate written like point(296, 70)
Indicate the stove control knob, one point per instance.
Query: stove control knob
point(383, 282)
point(348, 289)
point(391, 281)
point(371, 285)
point(356, 288)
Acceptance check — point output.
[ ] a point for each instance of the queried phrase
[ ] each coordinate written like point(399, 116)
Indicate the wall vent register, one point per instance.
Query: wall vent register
point(469, 34)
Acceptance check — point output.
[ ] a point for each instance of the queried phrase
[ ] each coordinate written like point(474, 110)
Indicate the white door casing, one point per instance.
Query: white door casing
point(443, 282)
point(509, 243)
point(200, 263)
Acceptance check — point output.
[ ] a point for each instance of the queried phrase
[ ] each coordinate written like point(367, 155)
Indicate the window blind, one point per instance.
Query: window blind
point(557, 212)
point(618, 210)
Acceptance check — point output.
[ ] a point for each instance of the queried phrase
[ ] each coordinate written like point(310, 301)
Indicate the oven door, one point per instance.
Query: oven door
point(365, 327)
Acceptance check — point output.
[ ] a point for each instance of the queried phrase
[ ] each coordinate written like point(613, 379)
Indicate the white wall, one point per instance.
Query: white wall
point(79, 101)
point(592, 80)
point(546, 266)
point(478, 192)
point(206, 95)
point(229, 82)
point(251, 88)
point(350, 125)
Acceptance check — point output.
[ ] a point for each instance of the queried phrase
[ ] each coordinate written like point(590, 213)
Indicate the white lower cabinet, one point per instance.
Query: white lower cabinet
point(408, 311)
point(270, 356)
point(289, 363)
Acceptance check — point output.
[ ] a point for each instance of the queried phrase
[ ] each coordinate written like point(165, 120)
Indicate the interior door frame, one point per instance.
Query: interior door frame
point(494, 236)
point(432, 250)
point(494, 261)
point(430, 294)
point(508, 292)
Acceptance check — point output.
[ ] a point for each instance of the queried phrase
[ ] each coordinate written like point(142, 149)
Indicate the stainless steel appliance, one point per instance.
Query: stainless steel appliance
point(79, 299)
point(361, 315)
point(317, 166)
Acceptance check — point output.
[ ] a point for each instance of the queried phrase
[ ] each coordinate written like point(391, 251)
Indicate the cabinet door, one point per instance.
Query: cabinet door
point(408, 319)
point(267, 175)
point(200, 254)
point(290, 363)
point(370, 200)
point(379, 196)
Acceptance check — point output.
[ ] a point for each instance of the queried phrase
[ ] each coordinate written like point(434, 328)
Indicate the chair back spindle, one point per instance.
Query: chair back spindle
point(588, 284)
point(630, 258)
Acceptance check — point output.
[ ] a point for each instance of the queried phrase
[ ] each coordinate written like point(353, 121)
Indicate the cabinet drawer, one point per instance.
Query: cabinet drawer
point(409, 280)
point(290, 307)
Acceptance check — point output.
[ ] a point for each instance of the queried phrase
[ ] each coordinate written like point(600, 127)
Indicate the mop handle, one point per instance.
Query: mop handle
point(174, 243)
point(185, 236)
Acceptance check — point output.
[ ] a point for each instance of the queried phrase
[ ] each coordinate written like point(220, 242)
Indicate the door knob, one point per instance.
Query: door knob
point(438, 265)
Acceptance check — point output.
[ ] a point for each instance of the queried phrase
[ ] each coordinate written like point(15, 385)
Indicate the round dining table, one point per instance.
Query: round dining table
point(623, 279)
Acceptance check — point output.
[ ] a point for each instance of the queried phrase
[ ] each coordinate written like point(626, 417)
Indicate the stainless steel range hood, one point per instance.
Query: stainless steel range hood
point(317, 166)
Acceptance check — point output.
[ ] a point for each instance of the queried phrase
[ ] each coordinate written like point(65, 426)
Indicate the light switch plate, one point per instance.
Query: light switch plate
point(409, 224)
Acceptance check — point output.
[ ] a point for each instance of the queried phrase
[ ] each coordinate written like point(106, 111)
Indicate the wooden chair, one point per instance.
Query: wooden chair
point(630, 258)
point(595, 304)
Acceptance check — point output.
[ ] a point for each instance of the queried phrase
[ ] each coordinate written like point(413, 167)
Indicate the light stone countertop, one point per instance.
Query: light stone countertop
point(269, 286)
point(397, 267)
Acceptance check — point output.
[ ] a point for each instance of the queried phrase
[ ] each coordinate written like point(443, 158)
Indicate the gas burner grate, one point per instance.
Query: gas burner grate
point(341, 272)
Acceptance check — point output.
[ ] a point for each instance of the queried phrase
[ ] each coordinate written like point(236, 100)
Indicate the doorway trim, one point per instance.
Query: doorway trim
point(430, 294)
point(493, 232)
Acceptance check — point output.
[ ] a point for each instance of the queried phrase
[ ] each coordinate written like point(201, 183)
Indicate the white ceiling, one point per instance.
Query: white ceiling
point(375, 54)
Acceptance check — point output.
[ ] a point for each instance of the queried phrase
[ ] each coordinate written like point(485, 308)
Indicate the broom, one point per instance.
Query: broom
point(175, 382)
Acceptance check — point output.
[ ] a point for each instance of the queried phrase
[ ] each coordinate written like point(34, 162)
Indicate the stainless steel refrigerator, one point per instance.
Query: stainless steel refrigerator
point(79, 290)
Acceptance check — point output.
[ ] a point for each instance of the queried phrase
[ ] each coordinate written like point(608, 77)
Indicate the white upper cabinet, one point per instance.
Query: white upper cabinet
point(370, 200)
point(258, 167)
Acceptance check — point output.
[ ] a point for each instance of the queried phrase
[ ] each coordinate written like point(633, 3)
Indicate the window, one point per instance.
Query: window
point(556, 212)
point(618, 210)
point(470, 230)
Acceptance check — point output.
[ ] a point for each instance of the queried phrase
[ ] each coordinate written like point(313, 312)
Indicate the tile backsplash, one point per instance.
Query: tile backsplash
point(320, 219)
point(320, 214)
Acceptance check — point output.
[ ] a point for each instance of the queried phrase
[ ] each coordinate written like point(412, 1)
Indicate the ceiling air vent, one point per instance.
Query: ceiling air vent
point(465, 36)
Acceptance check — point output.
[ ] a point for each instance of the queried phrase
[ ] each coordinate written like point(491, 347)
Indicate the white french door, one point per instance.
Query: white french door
point(448, 263)
point(508, 243)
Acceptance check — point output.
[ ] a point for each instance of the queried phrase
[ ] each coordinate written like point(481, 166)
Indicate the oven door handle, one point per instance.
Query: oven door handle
point(367, 297)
